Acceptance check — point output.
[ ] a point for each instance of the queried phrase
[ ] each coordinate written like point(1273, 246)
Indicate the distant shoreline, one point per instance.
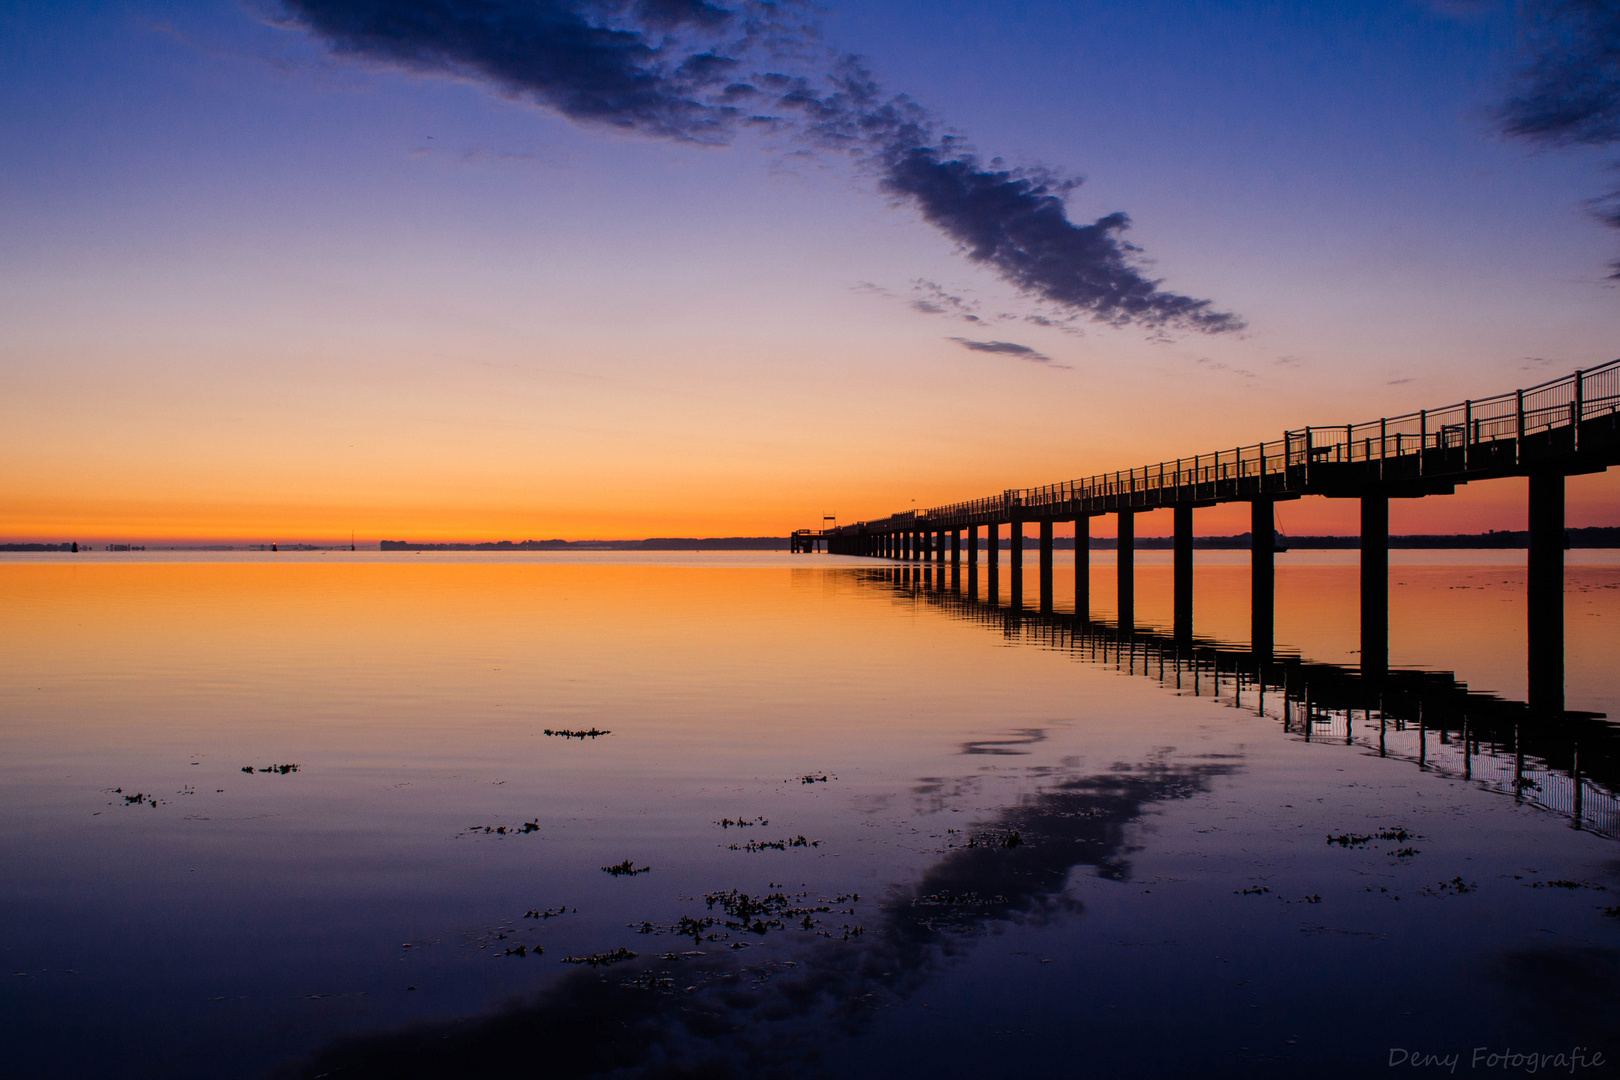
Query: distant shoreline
point(1594, 537)
point(1597, 537)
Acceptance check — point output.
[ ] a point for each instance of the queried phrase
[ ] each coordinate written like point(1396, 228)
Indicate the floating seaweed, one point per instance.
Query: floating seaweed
point(945, 899)
point(617, 956)
point(279, 770)
point(775, 845)
point(503, 830)
point(546, 913)
point(726, 823)
point(695, 928)
point(626, 869)
point(1455, 887)
point(1009, 839)
point(570, 733)
point(762, 914)
point(809, 778)
point(1562, 883)
point(1253, 890)
point(523, 950)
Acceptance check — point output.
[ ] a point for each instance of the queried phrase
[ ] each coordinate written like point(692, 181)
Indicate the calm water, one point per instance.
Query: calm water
point(300, 816)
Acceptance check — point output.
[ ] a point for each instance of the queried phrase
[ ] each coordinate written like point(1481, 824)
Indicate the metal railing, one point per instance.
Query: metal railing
point(1435, 442)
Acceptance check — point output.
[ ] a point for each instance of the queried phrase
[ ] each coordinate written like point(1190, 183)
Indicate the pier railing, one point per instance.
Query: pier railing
point(1466, 437)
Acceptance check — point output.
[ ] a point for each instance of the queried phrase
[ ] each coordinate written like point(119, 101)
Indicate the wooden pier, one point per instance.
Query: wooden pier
point(1559, 428)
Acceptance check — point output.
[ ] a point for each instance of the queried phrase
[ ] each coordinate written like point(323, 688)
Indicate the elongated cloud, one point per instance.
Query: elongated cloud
point(1006, 348)
point(693, 71)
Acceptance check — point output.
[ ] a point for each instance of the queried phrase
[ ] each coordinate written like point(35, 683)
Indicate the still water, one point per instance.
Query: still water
point(753, 815)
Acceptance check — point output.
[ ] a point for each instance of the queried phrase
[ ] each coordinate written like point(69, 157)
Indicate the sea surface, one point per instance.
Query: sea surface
point(752, 815)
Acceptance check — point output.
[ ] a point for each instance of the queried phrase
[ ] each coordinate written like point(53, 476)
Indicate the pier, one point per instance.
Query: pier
point(1547, 432)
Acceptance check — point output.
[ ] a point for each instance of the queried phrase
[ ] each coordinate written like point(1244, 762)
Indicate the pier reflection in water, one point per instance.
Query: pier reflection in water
point(1568, 763)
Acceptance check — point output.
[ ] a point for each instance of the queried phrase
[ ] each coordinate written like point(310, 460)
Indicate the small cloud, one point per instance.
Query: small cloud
point(1009, 348)
point(934, 300)
point(1536, 363)
point(1063, 325)
point(1401, 381)
point(1290, 361)
point(1222, 365)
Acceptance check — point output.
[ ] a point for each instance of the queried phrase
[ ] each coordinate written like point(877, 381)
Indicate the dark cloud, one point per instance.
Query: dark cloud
point(1570, 91)
point(1006, 348)
point(1569, 88)
point(1017, 224)
point(577, 59)
point(687, 70)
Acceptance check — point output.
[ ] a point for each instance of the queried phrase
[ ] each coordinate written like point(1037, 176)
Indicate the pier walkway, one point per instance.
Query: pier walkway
point(1559, 428)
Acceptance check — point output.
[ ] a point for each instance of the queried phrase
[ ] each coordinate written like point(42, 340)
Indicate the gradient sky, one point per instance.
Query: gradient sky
point(255, 291)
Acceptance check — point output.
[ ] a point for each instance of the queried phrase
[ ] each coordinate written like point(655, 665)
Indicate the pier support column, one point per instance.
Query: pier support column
point(1015, 562)
point(973, 560)
point(1125, 564)
point(956, 546)
point(992, 537)
point(1374, 585)
point(1262, 576)
point(1082, 567)
point(1046, 566)
point(1183, 560)
point(1546, 592)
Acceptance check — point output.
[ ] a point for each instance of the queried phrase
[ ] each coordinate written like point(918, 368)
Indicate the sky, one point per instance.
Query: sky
point(271, 274)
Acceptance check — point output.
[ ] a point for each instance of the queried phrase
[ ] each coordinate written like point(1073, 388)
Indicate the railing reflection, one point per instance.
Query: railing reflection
point(1569, 764)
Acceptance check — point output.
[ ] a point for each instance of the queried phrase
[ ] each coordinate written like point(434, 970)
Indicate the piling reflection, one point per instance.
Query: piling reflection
point(1567, 761)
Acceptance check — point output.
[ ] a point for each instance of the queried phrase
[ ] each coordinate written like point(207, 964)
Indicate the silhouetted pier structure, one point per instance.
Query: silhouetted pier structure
point(1569, 763)
point(806, 541)
point(1546, 432)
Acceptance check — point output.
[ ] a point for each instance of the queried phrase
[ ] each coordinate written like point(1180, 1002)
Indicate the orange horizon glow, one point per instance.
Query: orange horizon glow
point(1592, 500)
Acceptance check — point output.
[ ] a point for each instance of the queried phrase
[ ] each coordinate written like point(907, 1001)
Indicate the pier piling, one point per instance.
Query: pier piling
point(1183, 621)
